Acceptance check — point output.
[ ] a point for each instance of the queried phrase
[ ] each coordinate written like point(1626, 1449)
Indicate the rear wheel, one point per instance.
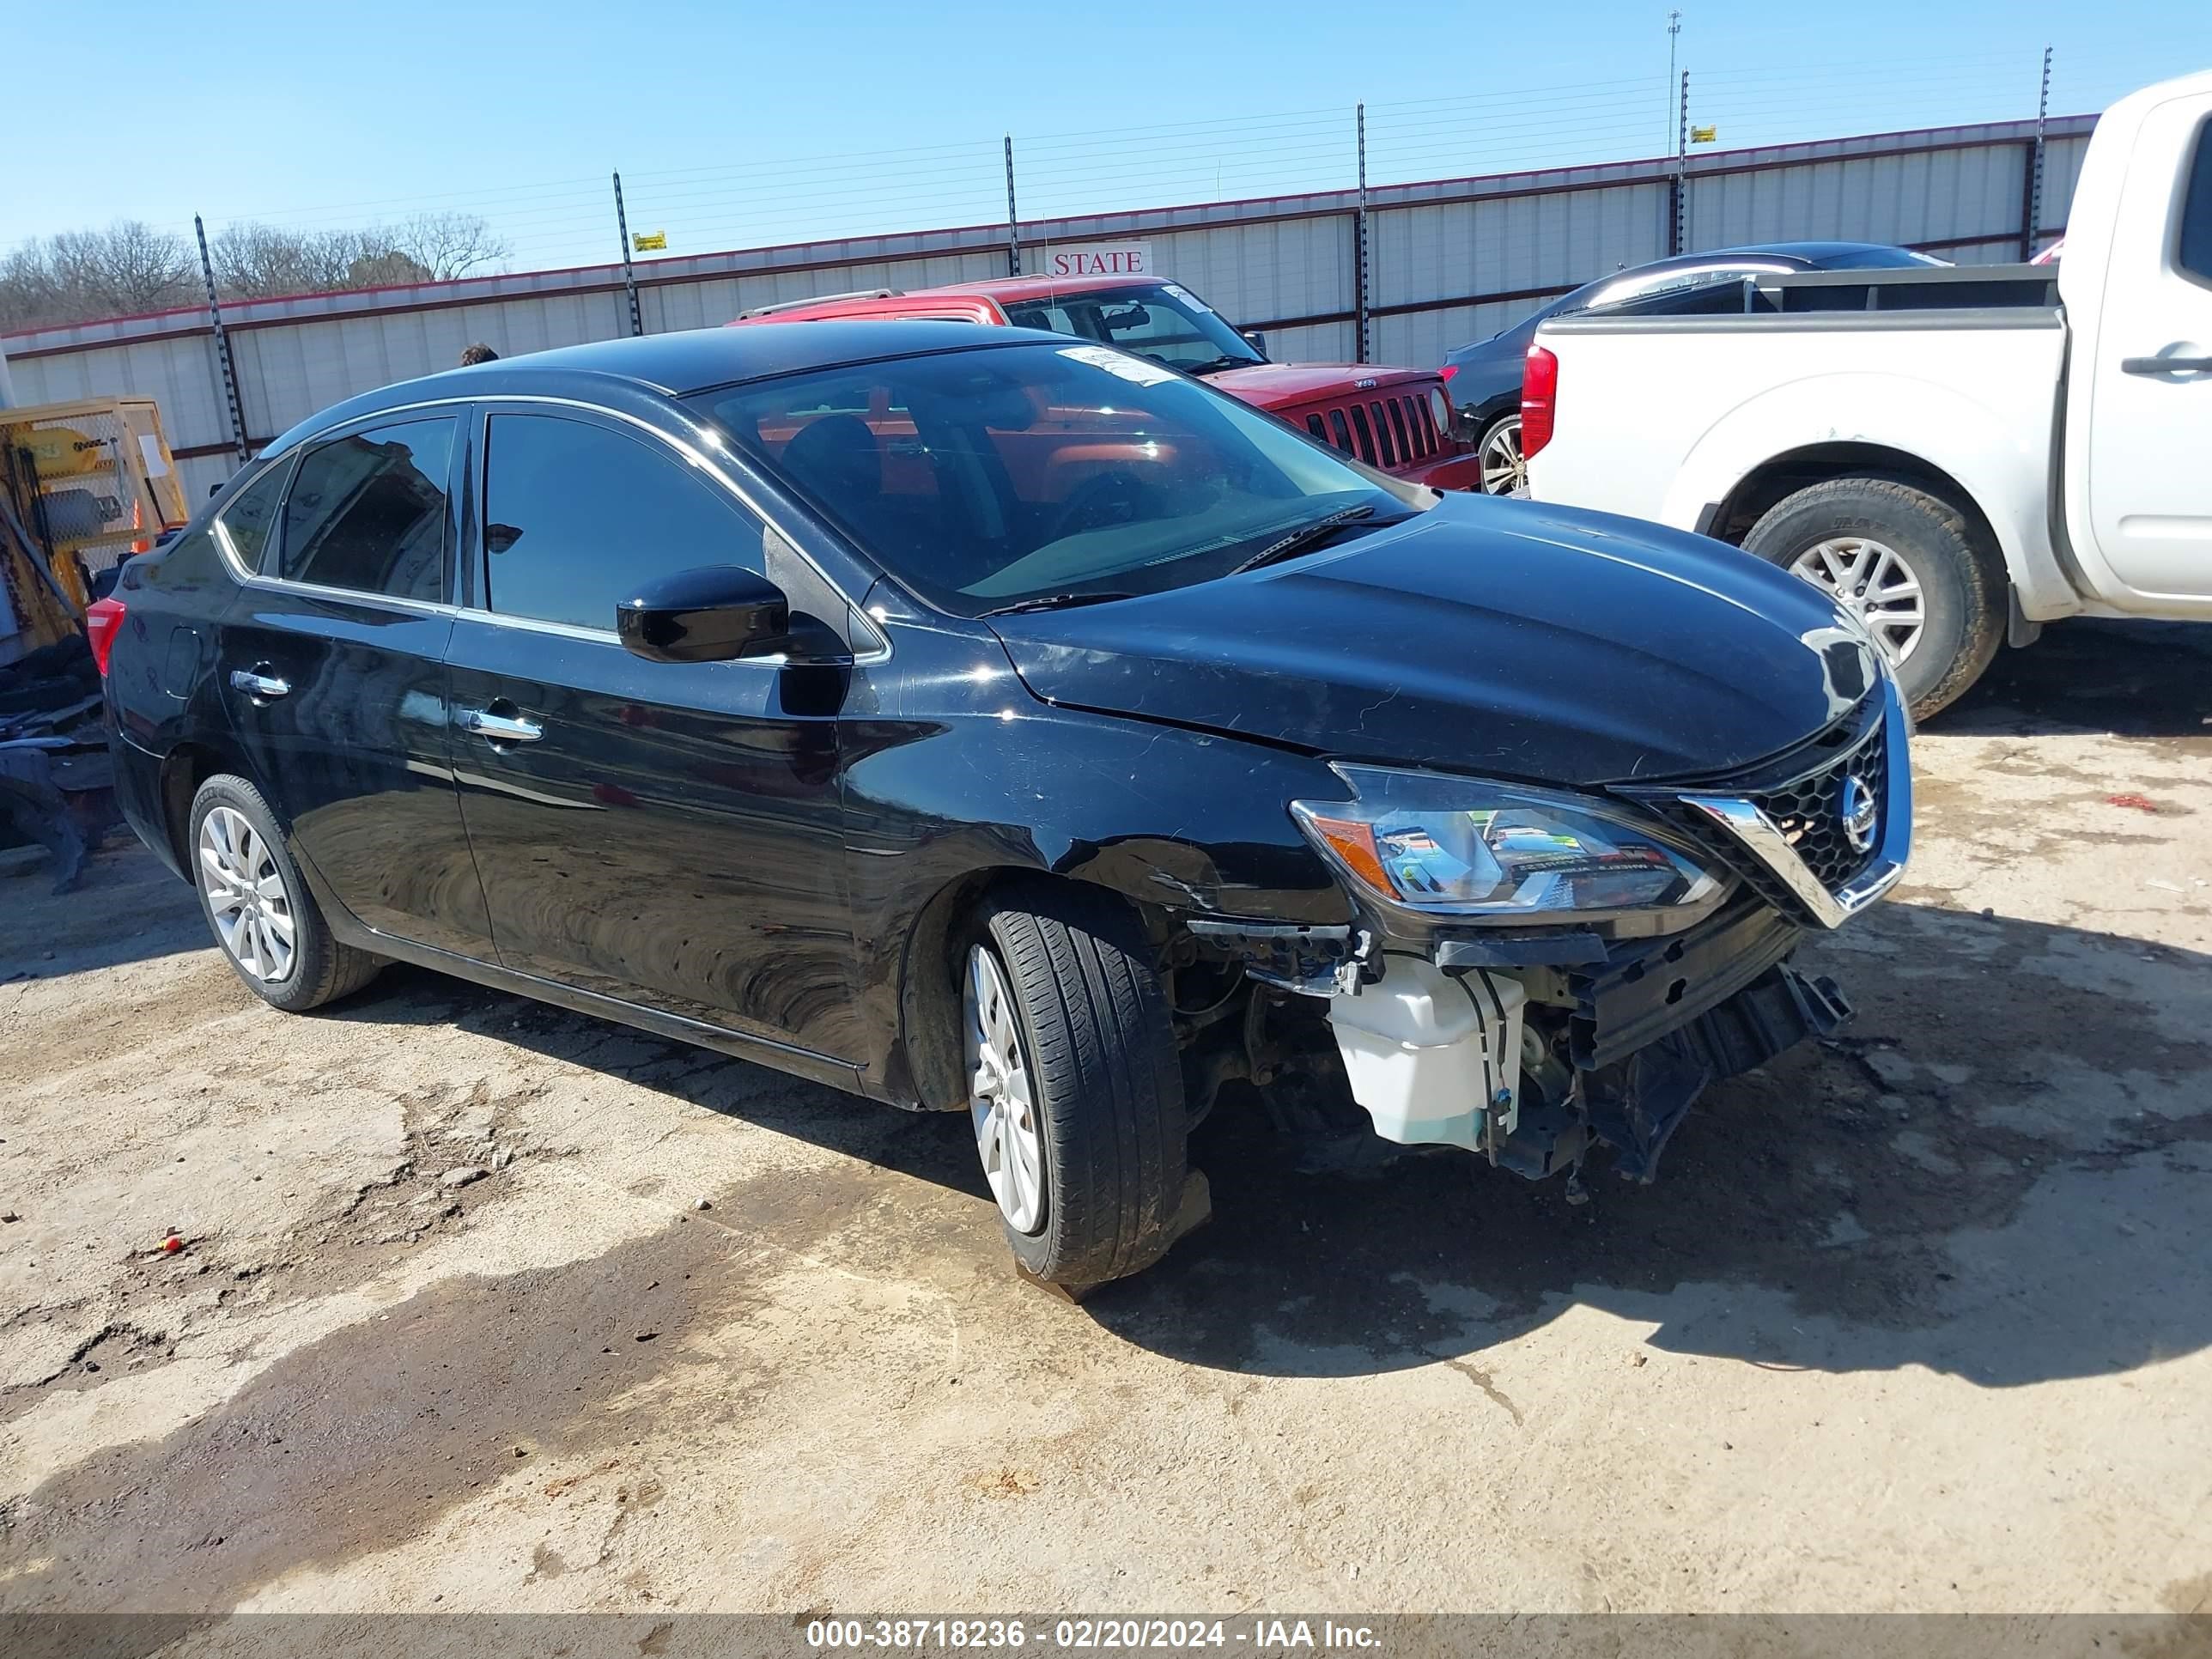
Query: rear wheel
point(1074, 1088)
point(262, 915)
point(1908, 565)
point(1504, 469)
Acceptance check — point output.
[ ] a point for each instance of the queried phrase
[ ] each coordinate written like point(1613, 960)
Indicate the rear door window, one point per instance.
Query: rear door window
point(2194, 252)
point(366, 513)
point(578, 516)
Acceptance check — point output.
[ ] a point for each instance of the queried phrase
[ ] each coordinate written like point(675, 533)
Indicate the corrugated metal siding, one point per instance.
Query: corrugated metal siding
point(1941, 195)
point(1457, 259)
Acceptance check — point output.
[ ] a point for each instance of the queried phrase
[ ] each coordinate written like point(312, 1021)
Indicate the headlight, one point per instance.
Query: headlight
point(1440, 410)
point(1474, 851)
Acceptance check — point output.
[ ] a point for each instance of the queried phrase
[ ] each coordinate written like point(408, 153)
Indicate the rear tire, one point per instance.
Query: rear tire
point(1504, 468)
point(1098, 1085)
point(1853, 525)
point(264, 920)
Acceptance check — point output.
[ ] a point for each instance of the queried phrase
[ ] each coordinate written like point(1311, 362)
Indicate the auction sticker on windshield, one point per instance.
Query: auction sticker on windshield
point(1136, 369)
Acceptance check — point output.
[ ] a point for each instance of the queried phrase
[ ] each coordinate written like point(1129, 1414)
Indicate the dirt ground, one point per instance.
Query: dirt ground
point(1917, 1320)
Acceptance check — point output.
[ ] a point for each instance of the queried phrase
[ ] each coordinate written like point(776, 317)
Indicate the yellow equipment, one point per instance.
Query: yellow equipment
point(85, 484)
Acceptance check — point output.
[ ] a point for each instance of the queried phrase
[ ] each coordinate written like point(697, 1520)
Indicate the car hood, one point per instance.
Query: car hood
point(1276, 385)
point(1508, 638)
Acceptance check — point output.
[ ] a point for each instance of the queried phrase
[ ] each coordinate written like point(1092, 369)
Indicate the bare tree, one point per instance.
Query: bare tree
point(130, 267)
point(446, 244)
point(28, 296)
point(385, 269)
point(258, 262)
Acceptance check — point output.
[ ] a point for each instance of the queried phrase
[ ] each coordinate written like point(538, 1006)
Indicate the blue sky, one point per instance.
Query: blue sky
point(740, 125)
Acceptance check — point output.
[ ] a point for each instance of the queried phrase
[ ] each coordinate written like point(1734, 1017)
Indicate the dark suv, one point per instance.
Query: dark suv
point(1000, 723)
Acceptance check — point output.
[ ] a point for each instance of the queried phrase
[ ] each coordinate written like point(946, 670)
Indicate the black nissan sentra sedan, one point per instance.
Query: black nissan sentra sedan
point(991, 721)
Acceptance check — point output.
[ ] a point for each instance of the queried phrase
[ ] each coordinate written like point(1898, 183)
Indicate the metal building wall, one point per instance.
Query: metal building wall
point(1449, 260)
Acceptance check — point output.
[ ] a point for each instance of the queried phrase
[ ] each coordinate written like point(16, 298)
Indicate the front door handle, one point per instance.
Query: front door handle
point(500, 728)
point(2165, 364)
point(260, 686)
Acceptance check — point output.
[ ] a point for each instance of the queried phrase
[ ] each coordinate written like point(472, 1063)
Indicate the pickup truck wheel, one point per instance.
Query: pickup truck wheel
point(260, 912)
point(1908, 565)
point(1504, 468)
point(1074, 1088)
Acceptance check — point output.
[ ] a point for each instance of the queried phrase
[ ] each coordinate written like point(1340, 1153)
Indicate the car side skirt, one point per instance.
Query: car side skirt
point(763, 1051)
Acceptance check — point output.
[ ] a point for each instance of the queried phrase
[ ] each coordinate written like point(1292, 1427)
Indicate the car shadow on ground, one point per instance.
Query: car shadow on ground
point(1997, 1172)
point(2136, 679)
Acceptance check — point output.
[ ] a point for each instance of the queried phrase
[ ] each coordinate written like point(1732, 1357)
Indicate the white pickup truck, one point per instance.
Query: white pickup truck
point(1960, 456)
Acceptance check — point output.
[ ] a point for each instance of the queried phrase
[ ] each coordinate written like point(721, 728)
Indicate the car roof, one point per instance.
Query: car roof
point(1806, 254)
point(672, 365)
point(1044, 288)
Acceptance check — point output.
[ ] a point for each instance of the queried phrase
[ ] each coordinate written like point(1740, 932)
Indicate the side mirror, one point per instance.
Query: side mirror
point(1256, 340)
point(711, 614)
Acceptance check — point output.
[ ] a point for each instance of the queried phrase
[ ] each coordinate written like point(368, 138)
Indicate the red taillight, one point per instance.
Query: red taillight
point(103, 621)
point(1539, 398)
point(1447, 371)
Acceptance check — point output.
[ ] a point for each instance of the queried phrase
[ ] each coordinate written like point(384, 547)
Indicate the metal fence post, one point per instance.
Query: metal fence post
point(629, 273)
point(225, 364)
point(1360, 239)
point(1680, 241)
point(2033, 227)
point(1013, 236)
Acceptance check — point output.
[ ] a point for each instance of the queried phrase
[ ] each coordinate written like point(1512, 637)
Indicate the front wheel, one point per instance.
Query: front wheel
point(1074, 1088)
point(1908, 565)
point(1504, 468)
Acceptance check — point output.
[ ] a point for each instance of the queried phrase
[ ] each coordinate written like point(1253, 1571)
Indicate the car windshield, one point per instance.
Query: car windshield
point(1051, 472)
point(1160, 321)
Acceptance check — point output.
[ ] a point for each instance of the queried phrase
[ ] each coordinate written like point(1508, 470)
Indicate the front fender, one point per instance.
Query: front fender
point(1999, 454)
point(964, 778)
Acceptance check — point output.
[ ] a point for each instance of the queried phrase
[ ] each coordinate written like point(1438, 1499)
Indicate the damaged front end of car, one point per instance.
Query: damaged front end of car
point(1534, 972)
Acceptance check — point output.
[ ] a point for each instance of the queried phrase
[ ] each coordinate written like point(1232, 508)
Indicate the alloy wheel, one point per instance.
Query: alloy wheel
point(1504, 469)
point(245, 896)
point(1874, 584)
point(1001, 1098)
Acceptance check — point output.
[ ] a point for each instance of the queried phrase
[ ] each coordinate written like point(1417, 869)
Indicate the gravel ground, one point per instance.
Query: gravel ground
point(1917, 1320)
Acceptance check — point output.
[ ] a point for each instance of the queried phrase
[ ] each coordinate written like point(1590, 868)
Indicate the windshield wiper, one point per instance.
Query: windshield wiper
point(1304, 536)
point(1054, 602)
point(1222, 362)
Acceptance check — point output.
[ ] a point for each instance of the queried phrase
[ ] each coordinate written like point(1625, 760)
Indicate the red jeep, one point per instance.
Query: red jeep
point(1397, 419)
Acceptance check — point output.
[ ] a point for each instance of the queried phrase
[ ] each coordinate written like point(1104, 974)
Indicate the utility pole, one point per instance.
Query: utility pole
point(1013, 236)
point(1683, 172)
point(629, 271)
point(224, 363)
point(1359, 234)
point(2033, 227)
point(1673, 31)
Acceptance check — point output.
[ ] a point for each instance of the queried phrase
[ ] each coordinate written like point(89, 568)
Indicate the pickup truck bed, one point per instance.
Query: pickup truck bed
point(1957, 455)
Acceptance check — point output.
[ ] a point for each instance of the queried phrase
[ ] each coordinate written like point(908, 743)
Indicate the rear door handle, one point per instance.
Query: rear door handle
point(256, 684)
point(500, 728)
point(2165, 364)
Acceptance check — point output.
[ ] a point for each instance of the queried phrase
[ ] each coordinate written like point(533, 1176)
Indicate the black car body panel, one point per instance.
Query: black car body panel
point(1566, 648)
point(779, 858)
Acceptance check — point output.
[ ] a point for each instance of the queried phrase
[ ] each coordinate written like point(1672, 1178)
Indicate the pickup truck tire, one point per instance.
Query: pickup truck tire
point(1060, 984)
point(1961, 581)
point(281, 948)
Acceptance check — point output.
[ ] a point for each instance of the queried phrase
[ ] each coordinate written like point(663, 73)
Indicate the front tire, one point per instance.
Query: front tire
point(1908, 565)
point(1074, 1087)
point(263, 919)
